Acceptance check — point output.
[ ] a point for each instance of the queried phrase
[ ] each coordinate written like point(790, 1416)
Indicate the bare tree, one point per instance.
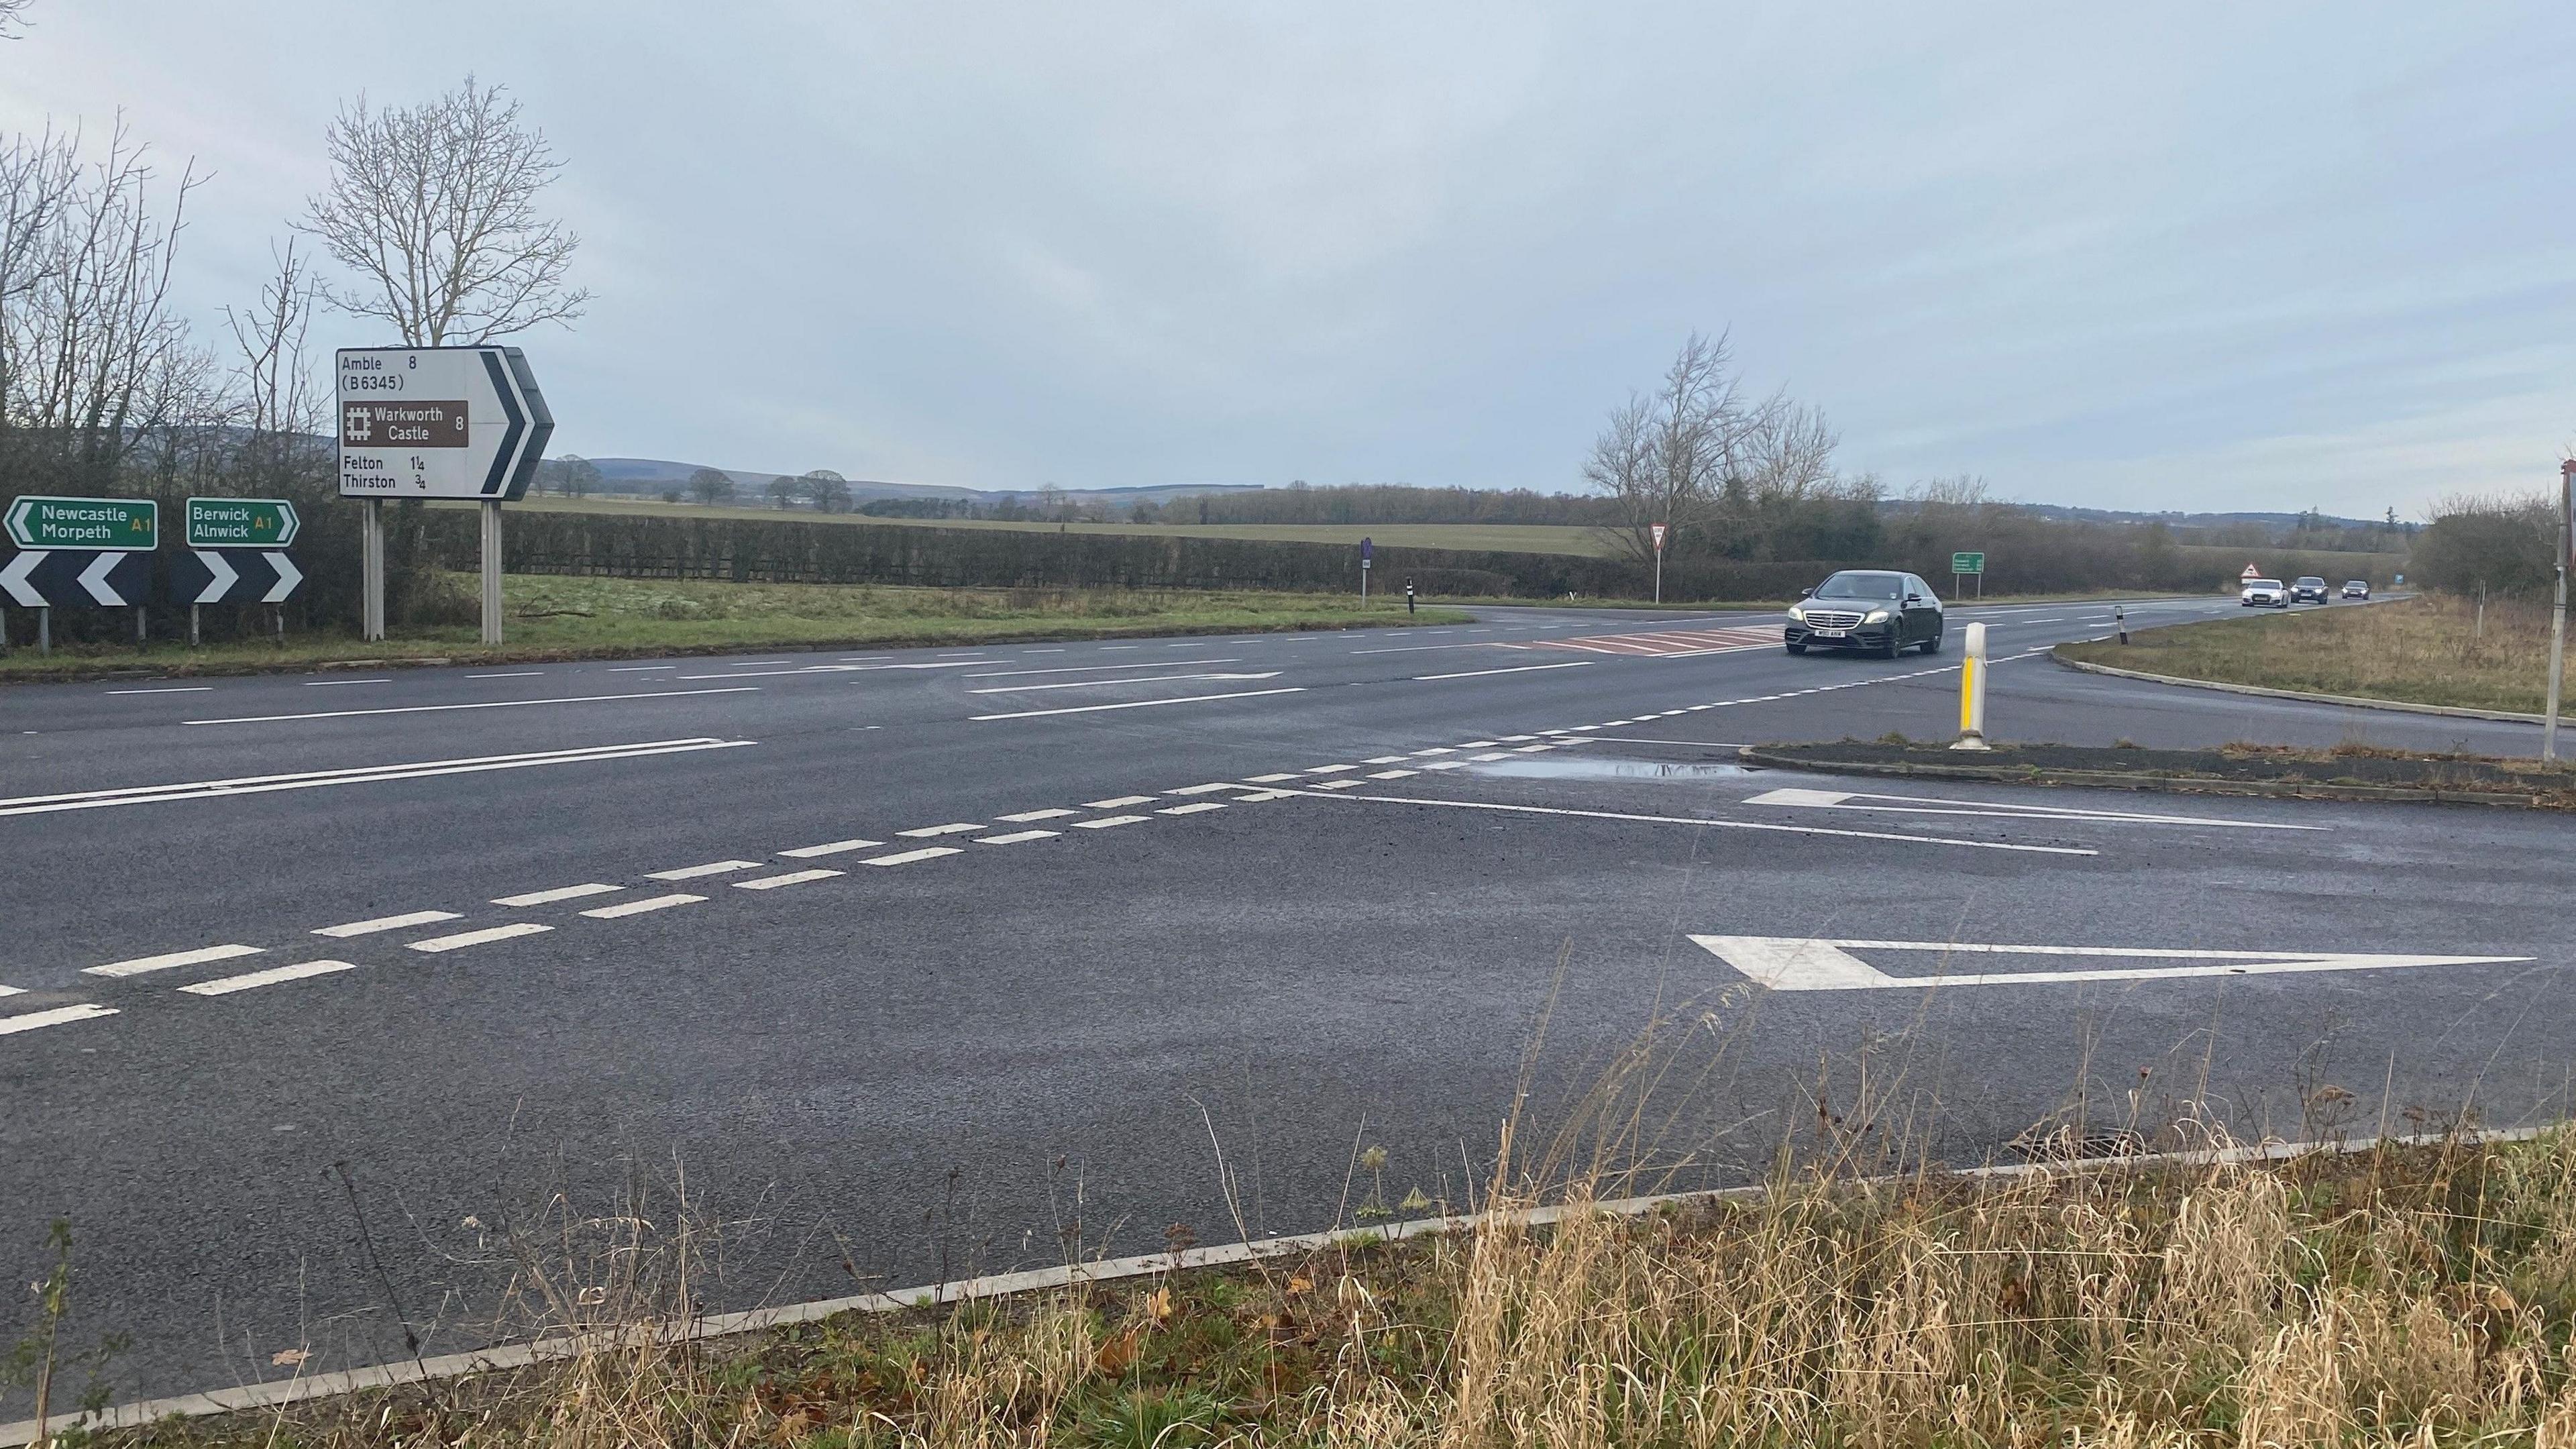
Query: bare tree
point(1665, 458)
point(783, 491)
point(434, 208)
point(829, 490)
point(710, 485)
point(275, 375)
point(581, 477)
point(92, 357)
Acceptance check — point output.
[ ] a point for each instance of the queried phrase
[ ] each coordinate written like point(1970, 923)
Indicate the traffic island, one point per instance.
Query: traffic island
point(2346, 772)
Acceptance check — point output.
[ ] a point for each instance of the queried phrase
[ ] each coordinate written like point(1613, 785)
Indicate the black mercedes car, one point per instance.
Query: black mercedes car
point(1879, 611)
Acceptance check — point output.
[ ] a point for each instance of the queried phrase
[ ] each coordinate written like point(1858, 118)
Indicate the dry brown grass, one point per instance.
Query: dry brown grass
point(2424, 651)
point(2398, 1297)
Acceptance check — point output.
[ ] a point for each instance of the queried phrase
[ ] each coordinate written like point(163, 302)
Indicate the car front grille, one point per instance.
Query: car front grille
point(1821, 619)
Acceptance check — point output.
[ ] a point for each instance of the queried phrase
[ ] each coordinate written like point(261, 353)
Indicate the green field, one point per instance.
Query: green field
point(2432, 650)
point(1501, 537)
point(548, 617)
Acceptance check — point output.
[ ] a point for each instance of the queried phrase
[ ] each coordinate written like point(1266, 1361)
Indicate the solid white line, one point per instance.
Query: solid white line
point(335, 683)
point(1417, 648)
point(387, 923)
point(485, 704)
point(1626, 740)
point(1514, 669)
point(359, 775)
point(169, 689)
point(1095, 668)
point(517, 674)
point(840, 669)
point(1017, 836)
point(927, 852)
point(837, 847)
point(928, 831)
point(141, 964)
point(713, 867)
point(1123, 679)
point(58, 1016)
point(639, 907)
point(1118, 802)
point(1711, 824)
point(560, 893)
point(773, 882)
point(1139, 704)
point(1192, 809)
point(227, 985)
point(477, 938)
point(1106, 821)
point(639, 668)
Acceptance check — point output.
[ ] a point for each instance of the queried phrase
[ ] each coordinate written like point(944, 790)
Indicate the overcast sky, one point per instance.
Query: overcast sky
point(2160, 256)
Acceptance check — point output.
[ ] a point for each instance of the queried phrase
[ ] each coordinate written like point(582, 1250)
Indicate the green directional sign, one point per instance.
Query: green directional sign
point(241, 523)
point(1967, 563)
point(109, 525)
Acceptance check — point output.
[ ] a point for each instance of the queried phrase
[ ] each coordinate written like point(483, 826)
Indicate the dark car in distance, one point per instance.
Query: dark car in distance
point(2308, 590)
point(1878, 610)
point(2356, 589)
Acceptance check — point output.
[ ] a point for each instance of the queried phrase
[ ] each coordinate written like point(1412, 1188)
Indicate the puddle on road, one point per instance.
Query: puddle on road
point(1610, 770)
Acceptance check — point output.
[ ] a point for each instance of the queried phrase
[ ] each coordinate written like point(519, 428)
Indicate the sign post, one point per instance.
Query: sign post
point(1366, 548)
point(2558, 610)
point(237, 555)
point(80, 552)
point(1967, 563)
point(1657, 530)
point(438, 422)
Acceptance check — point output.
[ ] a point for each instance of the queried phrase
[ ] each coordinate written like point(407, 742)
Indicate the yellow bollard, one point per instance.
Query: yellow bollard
point(1972, 692)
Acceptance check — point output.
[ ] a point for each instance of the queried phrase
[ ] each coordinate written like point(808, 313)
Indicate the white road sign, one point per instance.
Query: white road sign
point(438, 422)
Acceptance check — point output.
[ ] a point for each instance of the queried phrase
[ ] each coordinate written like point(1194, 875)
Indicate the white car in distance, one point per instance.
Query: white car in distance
point(2264, 593)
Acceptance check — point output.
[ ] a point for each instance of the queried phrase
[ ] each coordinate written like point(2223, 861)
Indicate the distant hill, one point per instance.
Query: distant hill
point(650, 476)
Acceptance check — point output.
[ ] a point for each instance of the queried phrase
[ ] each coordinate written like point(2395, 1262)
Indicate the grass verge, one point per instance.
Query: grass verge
point(555, 617)
point(2429, 650)
point(2352, 770)
point(2398, 1296)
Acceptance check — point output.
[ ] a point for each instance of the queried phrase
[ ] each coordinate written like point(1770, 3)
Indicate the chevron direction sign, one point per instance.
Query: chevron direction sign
point(75, 578)
point(232, 576)
point(79, 552)
point(438, 422)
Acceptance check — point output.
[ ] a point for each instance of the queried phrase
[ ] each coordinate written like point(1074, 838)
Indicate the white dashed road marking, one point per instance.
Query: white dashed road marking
point(226, 986)
point(486, 936)
point(928, 852)
point(1108, 820)
point(1118, 802)
point(793, 877)
point(1017, 837)
point(837, 847)
point(58, 1016)
point(639, 907)
point(1028, 815)
point(925, 832)
point(141, 964)
point(387, 923)
point(559, 893)
point(1192, 809)
point(713, 867)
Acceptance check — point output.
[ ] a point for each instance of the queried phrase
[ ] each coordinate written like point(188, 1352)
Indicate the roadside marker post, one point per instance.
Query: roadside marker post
point(1366, 548)
point(1972, 692)
point(2120, 620)
point(2558, 610)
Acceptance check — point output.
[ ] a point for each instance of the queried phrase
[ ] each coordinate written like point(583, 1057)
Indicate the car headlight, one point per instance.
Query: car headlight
point(1798, 612)
point(1877, 616)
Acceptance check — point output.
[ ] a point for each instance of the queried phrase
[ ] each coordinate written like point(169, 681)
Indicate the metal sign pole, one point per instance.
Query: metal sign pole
point(371, 551)
point(2558, 611)
point(45, 630)
point(492, 572)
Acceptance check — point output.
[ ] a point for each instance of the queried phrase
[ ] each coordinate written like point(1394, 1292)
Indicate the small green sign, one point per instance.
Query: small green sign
point(241, 523)
point(1967, 563)
point(110, 525)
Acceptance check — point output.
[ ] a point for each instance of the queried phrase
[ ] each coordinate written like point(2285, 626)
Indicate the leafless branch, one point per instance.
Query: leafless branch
point(434, 208)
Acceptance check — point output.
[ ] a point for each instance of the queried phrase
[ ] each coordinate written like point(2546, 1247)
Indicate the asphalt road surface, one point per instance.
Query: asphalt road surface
point(328, 994)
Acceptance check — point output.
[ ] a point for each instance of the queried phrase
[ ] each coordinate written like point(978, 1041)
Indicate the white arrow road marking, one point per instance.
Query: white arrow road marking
point(94, 578)
point(1793, 963)
point(1933, 805)
point(1139, 704)
point(362, 775)
point(288, 576)
point(13, 577)
point(1515, 669)
point(220, 576)
point(1095, 683)
point(1888, 835)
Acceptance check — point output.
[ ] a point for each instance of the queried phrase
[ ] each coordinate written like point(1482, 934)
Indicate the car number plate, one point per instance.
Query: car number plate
point(1833, 633)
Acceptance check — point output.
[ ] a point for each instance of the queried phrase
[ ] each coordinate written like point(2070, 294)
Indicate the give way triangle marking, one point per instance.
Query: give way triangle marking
point(1798, 963)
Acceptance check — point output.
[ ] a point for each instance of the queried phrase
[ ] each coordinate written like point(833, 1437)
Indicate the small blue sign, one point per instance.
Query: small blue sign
point(1366, 548)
